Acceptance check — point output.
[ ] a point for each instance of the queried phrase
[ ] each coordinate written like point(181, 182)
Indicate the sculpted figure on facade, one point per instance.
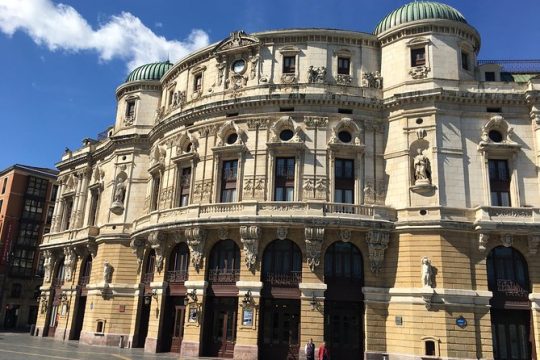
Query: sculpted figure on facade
point(107, 272)
point(48, 264)
point(427, 272)
point(158, 242)
point(70, 260)
point(117, 206)
point(137, 247)
point(373, 80)
point(317, 75)
point(314, 239)
point(250, 235)
point(377, 243)
point(196, 238)
point(422, 168)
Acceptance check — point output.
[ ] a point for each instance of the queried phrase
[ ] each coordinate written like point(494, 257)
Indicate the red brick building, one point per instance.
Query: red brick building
point(27, 196)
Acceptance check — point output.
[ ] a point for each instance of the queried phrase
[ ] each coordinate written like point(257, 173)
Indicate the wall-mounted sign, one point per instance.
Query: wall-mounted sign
point(461, 322)
point(247, 317)
point(192, 314)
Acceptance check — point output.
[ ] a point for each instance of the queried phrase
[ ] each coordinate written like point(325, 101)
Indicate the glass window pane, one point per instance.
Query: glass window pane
point(505, 199)
point(290, 194)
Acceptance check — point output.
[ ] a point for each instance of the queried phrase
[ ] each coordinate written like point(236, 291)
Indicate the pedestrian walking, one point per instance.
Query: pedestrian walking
point(323, 352)
point(310, 350)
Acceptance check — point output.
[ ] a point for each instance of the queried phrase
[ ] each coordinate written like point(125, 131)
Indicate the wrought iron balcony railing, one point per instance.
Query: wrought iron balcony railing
point(223, 276)
point(177, 276)
point(289, 279)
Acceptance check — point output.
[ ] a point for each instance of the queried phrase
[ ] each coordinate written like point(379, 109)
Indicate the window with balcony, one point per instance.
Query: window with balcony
point(284, 179)
point(229, 175)
point(418, 56)
point(344, 181)
point(499, 182)
point(289, 64)
point(154, 200)
point(344, 66)
point(185, 184)
point(224, 263)
point(282, 264)
point(178, 264)
point(86, 271)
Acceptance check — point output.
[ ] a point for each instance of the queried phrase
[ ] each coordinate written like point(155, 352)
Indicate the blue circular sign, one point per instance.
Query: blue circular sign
point(461, 322)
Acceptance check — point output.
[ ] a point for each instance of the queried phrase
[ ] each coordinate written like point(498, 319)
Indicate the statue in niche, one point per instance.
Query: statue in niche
point(107, 272)
point(427, 272)
point(422, 169)
point(120, 191)
point(221, 69)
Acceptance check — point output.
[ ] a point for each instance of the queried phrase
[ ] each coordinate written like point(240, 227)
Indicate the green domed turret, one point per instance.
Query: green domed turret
point(419, 10)
point(152, 71)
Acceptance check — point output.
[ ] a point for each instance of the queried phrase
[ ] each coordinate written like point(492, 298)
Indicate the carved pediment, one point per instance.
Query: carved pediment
point(496, 137)
point(237, 41)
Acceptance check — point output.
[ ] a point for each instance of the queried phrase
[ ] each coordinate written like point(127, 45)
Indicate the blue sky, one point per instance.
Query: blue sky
point(62, 61)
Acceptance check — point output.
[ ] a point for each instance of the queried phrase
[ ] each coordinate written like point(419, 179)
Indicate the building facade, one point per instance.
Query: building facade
point(25, 215)
point(376, 191)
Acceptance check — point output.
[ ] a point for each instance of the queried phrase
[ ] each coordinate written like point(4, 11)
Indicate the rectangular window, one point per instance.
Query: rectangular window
point(66, 216)
point(50, 211)
point(344, 66)
point(197, 83)
point(171, 97)
point(228, 180)
point(37, 187)
point(185, 184)
point(4, 186)
point(130, 108)
point(490, 75)
point(94, 201)
point(499, 182)
point(33, 210)
point(344, 181)
point(54, 193)
point(1, 204)
point(28, 234)
point(156, 181)
point(289, 64)
point(284, 179)
point(465, 60)
point(22, 262)
point(418, 56)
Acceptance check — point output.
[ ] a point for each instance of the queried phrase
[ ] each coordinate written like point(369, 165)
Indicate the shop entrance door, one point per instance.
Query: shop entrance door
point(221, 325)
point(280, 330)
point(178, 328)
point(511, 334)
point(343, 329)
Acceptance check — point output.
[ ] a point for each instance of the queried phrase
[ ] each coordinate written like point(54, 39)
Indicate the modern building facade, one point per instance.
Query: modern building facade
point(25, 215)
point(376, 191)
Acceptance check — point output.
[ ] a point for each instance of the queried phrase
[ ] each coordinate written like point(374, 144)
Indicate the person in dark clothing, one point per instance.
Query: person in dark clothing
point(310, 350)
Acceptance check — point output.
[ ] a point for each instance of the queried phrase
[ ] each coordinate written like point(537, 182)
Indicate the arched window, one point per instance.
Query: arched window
point(86, 270)
point(148, 275)
point(224, 264)
point(507, 273)
point(178, 264)
point(282, 263)
point(59, 275)
point(343, 261)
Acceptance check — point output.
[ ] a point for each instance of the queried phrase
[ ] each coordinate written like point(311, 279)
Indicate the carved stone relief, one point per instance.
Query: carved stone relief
point(427, 273)
point(533, 242)
point(49, 259)
point(507, 240)
point(314, 239)
point(117, 207)
point(317, 74)
point(419, 72)
point(107, 272)
point(343, 79)
point(373, 80)
point(158, 242)
point(70, 260)
point(281, 232)
point(196, 238)
point(377, 242)
point(250, 235)
point(345, 235)
point(137, 247)
point(223, 233)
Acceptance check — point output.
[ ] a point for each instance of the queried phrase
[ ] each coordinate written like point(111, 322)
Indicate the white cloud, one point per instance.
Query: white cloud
point(124, 36)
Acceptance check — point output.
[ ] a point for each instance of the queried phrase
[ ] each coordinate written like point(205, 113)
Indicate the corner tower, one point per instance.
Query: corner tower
point(426, 42)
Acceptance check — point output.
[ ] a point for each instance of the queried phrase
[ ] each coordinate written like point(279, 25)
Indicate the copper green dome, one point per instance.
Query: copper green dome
point(152, 71)
point(419, 10)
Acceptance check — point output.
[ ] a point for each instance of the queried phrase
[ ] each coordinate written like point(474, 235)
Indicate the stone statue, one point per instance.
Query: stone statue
point(321, 74)
point(422, 169)
point(120, 191)
point(427, 272)
point(107, 272)
point(221, 70)
point(312, 74)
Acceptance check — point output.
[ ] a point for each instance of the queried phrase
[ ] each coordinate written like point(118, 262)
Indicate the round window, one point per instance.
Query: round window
point(344, 136)
point(286, 135)
point(239, 66)
point(495, 136)
point(231, 139)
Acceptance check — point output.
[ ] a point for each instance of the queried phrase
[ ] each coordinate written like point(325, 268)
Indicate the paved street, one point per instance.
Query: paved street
point(19, 346)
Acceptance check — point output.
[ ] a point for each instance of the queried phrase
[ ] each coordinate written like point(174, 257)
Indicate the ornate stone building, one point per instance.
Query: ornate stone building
point(376, 191)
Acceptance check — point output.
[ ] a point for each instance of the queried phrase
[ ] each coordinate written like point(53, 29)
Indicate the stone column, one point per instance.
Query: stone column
point(249, 301)
point(58, 207)
point(75, 207)
point(84, 175)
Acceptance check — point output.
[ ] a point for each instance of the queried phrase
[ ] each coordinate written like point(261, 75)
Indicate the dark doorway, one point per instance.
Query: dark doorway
point(220, 325)
point(344, 308)
point(79, 318)
point(82, 292)
point(55, 295)
point(508, 279)
point(146, 298)
point(280, 330)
